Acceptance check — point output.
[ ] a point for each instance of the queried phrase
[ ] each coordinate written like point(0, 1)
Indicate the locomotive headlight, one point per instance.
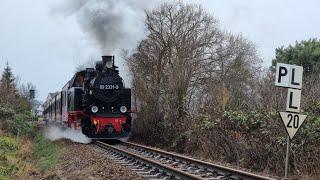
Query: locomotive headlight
point(94, 109)
point(123, 109)
point(109, 64)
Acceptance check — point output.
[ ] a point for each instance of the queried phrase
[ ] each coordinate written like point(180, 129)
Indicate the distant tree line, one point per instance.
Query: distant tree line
point(198, 88)
point(15, 104)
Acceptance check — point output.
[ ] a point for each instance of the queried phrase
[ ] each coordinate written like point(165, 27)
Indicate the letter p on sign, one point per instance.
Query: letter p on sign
point(289, 76)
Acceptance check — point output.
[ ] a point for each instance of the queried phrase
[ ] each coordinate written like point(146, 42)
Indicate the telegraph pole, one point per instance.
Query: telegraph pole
point(31, 98)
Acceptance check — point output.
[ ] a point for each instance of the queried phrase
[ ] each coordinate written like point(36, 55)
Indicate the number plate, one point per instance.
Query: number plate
point(108, 87)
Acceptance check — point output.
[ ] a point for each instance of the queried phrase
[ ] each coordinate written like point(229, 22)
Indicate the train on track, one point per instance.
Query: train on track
point(94, 101)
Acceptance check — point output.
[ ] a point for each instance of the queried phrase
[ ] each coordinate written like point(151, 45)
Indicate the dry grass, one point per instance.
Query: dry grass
point(21, 158)
point(27, 166)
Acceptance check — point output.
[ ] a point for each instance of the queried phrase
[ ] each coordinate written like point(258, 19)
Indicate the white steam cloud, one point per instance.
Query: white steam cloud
point(55, 133)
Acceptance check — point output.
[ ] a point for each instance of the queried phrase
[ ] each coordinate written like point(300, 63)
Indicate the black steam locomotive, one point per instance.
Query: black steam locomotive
point(95, 101)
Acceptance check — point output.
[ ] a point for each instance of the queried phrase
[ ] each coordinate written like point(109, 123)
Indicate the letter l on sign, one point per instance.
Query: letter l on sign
point(293, 100)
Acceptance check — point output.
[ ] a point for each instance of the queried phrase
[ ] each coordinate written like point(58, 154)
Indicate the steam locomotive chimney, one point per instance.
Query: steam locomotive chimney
point(107, 58)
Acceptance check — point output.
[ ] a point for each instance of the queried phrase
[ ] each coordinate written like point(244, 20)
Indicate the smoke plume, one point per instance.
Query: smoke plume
point(111, 24)
point(54, 133)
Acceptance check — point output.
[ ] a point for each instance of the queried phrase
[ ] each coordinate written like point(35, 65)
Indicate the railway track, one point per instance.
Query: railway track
point(158, 164)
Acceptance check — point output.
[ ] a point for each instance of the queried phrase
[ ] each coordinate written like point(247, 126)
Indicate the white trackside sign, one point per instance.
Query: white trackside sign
point(289, 76)
point(293, 100)
point(292, 122)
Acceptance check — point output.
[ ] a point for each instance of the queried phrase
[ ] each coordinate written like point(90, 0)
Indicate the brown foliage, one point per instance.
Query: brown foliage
point(197, 88)
point(183, 63)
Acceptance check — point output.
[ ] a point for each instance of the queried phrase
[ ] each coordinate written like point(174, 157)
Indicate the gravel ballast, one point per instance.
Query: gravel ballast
point(80, 161)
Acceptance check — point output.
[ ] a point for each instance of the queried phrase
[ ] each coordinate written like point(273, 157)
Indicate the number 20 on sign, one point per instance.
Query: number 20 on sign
point(292, 122)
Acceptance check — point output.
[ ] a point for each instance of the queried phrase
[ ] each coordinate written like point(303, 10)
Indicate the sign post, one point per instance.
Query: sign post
point(290, 76)
point(287, 158)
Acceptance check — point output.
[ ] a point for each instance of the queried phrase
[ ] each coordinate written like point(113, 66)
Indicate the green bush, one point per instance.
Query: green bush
point(8, 144)
point(9, 151)
point(6, 113)
point(23, 105)
point(17, 123)
point(21, 125)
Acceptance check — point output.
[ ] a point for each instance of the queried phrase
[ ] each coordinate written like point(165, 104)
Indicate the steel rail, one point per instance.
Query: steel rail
point(151, 162)
point(237, 174)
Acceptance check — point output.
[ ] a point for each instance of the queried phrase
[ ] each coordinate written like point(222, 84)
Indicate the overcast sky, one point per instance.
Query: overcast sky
point(44, 48)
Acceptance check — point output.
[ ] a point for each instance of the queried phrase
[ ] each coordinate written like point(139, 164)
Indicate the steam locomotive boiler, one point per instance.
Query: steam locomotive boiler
point(95, 100)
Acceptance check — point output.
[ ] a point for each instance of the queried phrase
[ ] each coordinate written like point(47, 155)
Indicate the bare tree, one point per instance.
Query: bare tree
point(168, 62)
